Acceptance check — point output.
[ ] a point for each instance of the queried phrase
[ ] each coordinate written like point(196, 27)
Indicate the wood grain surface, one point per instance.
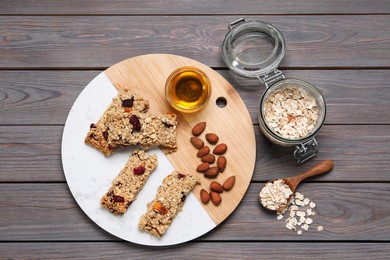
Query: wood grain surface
point(101, 41)
point(150, 7)
point(344, 213)
point(33, 154)
point(147, 74)
point(50, 50)
point(216, 250)
point(352, 96)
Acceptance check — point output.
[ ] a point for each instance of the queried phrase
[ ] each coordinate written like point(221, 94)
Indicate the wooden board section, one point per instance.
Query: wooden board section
point(147, 75)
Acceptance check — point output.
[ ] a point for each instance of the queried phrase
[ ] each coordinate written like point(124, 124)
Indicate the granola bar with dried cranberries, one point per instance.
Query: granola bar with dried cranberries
point(126, 122)
point(128, 183)
point(169, 200)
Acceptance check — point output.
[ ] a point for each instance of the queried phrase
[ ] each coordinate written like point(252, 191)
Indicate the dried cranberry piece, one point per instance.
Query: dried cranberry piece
point(134, 121)
point(128, 102)
point(118, 198)
point(92, 125)
point(139, 170)
point(111, 146)
point(181, 176)
point(105, 135)
point(167, 125)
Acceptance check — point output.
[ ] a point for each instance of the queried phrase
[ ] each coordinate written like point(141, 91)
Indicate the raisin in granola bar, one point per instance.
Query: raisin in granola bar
point(126, 122)
point(122, 106)
point(127, 184)
point(169, 200)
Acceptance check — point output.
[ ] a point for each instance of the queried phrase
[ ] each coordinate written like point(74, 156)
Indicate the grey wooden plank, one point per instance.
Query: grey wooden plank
point(347, 211)
point(100, 41)
point(360, 153)
point(45, 97)
point(194, 7)
point(33, 154)
point(217, 250)
point(40, 97)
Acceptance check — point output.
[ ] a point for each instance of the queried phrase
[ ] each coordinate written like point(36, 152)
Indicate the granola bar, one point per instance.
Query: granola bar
point(127, 184)
point(169, 200)
point(122, 106)
point(126, 122)
point(145, 130)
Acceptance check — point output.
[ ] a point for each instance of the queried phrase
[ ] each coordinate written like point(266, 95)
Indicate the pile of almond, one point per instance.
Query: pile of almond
point(216, 189)
point(207, 160)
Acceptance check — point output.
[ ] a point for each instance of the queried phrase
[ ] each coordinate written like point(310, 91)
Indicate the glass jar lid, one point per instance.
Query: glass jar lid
point(253, 48)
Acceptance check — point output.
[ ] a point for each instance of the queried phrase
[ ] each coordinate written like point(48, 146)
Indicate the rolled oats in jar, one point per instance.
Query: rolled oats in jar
point(291, 111)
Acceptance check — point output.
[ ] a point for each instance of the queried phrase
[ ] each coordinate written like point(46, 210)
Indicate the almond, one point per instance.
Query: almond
point(212, 172)
point(215, 186)
point(198, 128)
point(220, 149)
point(203, 167)
point(212, 138)
point(215, 198)
point(203, 151)
point(229, 183)
point(197, 142)
point(221, 163)
point(208, 158)
point(204, 196)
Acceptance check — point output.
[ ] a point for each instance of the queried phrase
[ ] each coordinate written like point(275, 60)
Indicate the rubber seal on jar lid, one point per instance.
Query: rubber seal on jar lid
point(253, 48)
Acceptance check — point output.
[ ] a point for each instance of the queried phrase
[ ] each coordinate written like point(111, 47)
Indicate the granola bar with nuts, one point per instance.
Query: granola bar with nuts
point(128, 183)
point(145, 130)
point(122, 106)
point(169, 200)
point(126, 122)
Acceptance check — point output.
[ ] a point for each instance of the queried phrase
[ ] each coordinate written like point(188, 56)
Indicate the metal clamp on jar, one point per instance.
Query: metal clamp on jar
point(291, 111)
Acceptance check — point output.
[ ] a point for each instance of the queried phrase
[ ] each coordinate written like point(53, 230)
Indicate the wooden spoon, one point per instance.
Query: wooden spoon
point(293, 182)
point(319, 168)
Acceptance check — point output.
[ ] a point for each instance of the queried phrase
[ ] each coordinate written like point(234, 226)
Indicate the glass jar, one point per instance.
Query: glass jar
point(255, 49)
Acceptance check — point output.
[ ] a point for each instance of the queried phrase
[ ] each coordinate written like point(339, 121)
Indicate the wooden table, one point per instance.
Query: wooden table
point(50, 51)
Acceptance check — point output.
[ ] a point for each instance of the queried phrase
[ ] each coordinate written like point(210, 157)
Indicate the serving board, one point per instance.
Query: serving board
point(89, 173)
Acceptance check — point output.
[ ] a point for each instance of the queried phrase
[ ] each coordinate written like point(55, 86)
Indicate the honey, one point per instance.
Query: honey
point(188, 89)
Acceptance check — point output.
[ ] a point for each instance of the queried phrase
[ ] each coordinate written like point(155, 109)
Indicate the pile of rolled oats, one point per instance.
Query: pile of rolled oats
point(300, 214)
point(291, 112)
point(275, 195)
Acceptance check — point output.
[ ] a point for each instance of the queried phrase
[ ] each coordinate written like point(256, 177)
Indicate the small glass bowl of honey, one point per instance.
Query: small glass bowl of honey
point(188, 89)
